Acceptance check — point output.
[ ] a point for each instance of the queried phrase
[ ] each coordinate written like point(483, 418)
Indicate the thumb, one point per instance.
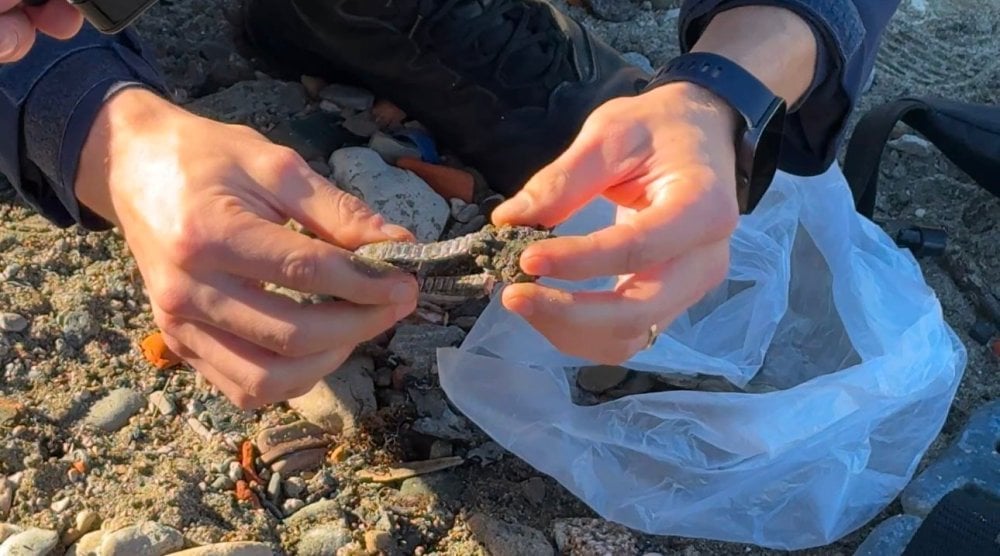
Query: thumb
point(335, 215)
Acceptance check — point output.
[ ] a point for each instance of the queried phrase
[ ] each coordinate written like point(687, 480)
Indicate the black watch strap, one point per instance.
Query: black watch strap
point(758, 142)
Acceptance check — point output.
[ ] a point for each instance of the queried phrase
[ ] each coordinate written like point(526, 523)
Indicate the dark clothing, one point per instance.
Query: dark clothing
point(49, 100)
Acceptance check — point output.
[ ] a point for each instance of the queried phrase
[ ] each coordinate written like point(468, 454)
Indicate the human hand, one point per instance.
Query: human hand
point(19, 22)
point(667, 159)
point(202, 206)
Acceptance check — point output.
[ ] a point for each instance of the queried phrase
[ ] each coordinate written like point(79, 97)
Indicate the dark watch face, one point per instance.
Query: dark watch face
point(111, 16)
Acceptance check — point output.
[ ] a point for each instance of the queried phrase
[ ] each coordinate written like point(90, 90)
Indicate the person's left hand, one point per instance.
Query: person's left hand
point(667, 159)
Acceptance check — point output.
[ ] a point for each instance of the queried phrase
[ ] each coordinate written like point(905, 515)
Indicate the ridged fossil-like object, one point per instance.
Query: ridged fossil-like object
point(463, 268)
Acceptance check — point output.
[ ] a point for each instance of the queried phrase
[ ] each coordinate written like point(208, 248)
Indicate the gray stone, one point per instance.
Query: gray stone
point(30, 542)
point(614, 10)
point(78, 326)
point(639, 60)
point(252, 102)
point(442, 485)
point(114, 410)
point(148, 538)
point(592, 536)
point(274, 487)
point(346, 96)
point(400, 196)
point(392, 149)
point(890, 537)
point(362, 125)
point(489, 452)
point(163, 402)
point(972, 459)
point(467, 214)
point(508, 539)
point(342, 399)
point(292, 505)
point(12, 322)
point(417, 344)
point(7, 489)
point(324, 540)
point(533, 490)
point(294, 487)
point(324, 510)
point(599, 378)
point(237, 548)
point(437, 419)
point(913, 145)
point(440, 449)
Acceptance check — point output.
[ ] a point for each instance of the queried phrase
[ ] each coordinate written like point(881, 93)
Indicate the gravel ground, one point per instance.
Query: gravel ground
point(93, 434)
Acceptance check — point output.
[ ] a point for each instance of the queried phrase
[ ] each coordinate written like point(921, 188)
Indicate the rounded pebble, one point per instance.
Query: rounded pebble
point(114, 410)
point(148, 538)
point(324, 539)
point(30, 542)
point(238, 548)
point(12, 322)
point(292, 505)
point(294, 487)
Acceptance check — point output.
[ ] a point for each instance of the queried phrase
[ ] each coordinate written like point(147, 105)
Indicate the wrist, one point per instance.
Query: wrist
point(773, 44)
point(122, 118)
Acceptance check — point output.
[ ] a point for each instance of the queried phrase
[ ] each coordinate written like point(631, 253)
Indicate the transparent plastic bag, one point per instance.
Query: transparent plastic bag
point(822, 316)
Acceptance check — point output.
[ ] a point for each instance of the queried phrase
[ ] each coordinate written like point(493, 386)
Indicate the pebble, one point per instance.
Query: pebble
point(223, 483)
point(60, 505)
point(30, 542)
point(10, 411)
point(447, 181)
point(920, 212)
point(392, 149)
point(533, 490)
point(237, 548)
point(148, 538)
point(913, 145)
point(89, 544)
point(600, 378)
point(417, 344)
point(380, 542)
point(7, 489)
point(471, 226)
point(361, 124)
point(972, 459)
point(163, 403)
point(616, 11)
point(500, 537)
point(86, 521)
point(890, 537)
point(8, 529)
point(489, 452)
point(347, 96)
point(398, 195)
point(592, 536)
point(114, 410)
point(342, 399)
point(313, 85)
point(274, 487)
point(387, 115)
point(294, 487)
point(323, 510)
point(323, 540)
point(440, 449)
point(235, 471)
point(12, 322)
point(446, 486)
point(292, 505)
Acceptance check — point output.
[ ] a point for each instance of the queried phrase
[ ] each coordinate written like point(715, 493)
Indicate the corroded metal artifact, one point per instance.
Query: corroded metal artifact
point(463, 268)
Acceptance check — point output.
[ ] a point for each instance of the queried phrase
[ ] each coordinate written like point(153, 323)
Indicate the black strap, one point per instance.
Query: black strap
point(864, 151)
point(967, 134)
point(966, 522)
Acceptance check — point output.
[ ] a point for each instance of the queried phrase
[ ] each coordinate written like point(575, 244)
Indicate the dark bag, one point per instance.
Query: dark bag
point(967, 134)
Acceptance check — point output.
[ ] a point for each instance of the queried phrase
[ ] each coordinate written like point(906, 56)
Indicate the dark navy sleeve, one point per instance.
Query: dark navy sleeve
point(48, 103)
point(848, 34)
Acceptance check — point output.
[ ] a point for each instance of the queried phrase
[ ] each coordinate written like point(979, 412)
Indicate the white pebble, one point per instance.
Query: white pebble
point(235, 471)
point(12, 322)
point(292, 505)
point(60, 505)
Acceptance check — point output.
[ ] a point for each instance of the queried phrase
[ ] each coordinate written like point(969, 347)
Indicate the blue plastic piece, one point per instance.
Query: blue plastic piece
point(424, 143)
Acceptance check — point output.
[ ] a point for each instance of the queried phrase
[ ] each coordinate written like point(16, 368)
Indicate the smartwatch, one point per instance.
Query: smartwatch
point(762, 114)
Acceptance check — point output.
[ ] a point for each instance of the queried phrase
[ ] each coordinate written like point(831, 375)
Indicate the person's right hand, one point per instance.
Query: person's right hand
point(202, 206)
point(18, 24)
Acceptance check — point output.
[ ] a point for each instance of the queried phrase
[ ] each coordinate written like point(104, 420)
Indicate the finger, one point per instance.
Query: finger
point(608, 326)
point(282, 325)
point(7, 5)
point(604, 154)
point(274, 254)
point(251, 376)
point(17, 35)
point(57, 19)
point(683, 217)
point(321, 207)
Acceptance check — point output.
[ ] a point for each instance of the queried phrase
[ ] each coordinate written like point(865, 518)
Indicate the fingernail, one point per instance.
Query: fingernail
point(536, 264)
point(398, 233)
point(8, 40)
point(521, 305)
point(403, 292)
